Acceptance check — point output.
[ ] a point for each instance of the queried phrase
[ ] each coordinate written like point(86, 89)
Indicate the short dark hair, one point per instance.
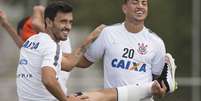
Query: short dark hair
point(55, 7)
point(21, 23)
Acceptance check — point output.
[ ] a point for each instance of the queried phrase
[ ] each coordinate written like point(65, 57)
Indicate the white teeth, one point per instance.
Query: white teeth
point(139, 12)
point(66, 32)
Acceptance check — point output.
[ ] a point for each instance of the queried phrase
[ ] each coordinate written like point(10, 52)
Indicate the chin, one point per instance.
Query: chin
point(63, 39)
point(140, 18)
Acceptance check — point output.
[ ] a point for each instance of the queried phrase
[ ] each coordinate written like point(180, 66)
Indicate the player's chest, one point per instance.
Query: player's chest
point(135, 56)
point(136, 49)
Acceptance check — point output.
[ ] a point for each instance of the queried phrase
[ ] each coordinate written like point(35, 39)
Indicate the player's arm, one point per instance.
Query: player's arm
point(160, 69)
point(10, 29)
point(51, 83)
point(77, 98)
point(127, 93)
point(108, 94)
point(71, 60)
point(84, 62)
point(49, 68)
point(95, 51)
point(37, 18)
point(53, 86)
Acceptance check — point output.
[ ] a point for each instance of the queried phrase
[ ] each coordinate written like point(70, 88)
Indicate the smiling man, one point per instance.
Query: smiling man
point(41, 60)
point(132, 53)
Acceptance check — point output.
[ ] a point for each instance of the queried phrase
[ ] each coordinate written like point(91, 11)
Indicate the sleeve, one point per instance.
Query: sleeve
point(159, 58)
point(66, 46)
point(50, 53)
point(97, 48)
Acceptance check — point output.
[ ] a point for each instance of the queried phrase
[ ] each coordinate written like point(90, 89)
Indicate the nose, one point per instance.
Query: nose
point(68, 26)
point(140, 5)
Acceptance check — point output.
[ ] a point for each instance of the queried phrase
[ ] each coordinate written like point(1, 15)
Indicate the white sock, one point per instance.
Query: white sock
point(133, 92)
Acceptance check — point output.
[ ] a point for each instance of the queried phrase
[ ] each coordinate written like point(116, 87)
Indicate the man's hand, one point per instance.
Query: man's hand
point(157, 90)
point(76, 57)
point(95, 33)
point(3, 18)
point(77, 98)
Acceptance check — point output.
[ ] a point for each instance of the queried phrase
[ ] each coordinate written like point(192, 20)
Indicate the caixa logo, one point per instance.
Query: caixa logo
point(23, 62)
point(128, 65)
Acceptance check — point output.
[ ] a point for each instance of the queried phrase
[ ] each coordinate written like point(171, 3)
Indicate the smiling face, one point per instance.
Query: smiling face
point(135, 10)
point(58, 20)
point(62, 25)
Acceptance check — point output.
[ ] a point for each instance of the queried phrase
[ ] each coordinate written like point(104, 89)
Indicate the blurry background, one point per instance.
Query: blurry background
point(177, 22)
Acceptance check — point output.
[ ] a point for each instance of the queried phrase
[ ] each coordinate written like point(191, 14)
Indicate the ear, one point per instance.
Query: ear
point(48, 22)
point(124, 8)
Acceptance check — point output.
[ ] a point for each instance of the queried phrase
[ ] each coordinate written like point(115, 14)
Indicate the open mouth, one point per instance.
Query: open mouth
point(65, 32)
point(139, 12)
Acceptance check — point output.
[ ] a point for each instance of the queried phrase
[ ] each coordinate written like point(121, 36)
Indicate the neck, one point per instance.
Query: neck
point(51, 34)
point(134, 26)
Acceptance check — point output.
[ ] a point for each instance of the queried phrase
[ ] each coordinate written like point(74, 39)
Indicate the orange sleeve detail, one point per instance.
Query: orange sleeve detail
point(27, 30)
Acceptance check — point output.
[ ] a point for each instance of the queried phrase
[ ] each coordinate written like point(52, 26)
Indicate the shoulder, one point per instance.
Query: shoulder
point(45, 41)
point(155, 39)
point(113, 27)
point(154, 36)
point(44, 37)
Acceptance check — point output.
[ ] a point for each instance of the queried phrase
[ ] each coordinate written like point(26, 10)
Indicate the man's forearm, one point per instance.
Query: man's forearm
point(55, 89)
point(51, 83)
point(109, 94)
point(13, 33)
point(73, 59)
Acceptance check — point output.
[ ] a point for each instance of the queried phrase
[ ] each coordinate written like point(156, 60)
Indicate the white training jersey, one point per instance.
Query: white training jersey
point(129, 58)
point(66, 48)
point(37, 52)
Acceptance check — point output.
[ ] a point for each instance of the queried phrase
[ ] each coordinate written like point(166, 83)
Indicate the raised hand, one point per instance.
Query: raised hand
point(3, 17)
point(95, 33)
